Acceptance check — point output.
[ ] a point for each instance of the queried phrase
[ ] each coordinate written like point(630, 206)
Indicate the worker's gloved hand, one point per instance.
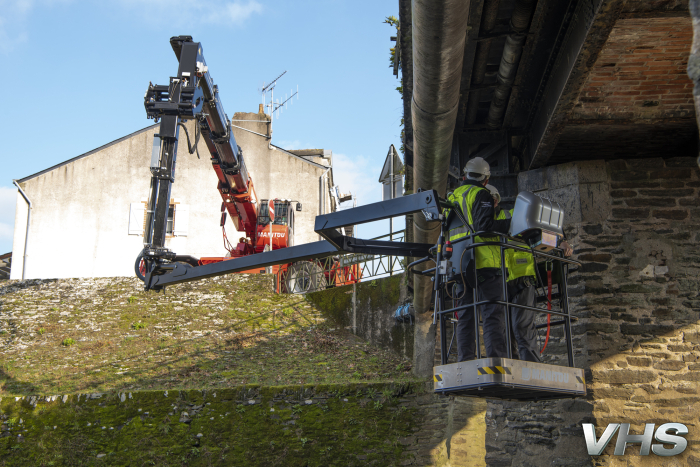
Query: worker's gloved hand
point(568, 249)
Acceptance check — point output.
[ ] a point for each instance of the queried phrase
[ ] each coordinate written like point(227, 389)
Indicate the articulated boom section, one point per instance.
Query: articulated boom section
point(328, 226)
point(193, 95)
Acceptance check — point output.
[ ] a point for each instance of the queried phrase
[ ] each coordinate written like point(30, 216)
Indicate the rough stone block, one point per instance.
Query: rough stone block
point(630, 213)
point(592, 267)
point(634, 184)
point(593, 229)
point(639, 361)
point(630, 318)
point(618, 164)
point(674, 192)
point(652, 163)
point(596, 257)
point(624, 376)
point(611, 393)
point(672, 214)
point(638, 329)
point(689, 202)
point(681, 162)
point(640, 288)
point(690, 376)
point(623, 193)
point(673, 174)
point(670, 365)
point(655, 202)
point(498, 461)
point(629, 175)
point(580, 187)
point(600, 327)
point(602, 241)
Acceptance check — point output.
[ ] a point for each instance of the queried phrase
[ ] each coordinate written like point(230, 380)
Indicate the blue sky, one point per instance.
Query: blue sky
point(77, 72)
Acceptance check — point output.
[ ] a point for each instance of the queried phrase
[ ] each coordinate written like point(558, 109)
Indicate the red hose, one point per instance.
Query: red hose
point(549, 307)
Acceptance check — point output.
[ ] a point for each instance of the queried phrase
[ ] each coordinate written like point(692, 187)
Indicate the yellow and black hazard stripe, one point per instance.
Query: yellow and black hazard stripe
point(437, 378)
point(494, 370)
point(580, 380)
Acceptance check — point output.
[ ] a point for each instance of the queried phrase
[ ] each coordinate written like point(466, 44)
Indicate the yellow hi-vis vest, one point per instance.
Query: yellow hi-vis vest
point(486, 256)
point(519, 263)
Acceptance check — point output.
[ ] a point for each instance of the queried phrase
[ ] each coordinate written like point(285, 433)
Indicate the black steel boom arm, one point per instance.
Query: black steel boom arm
point(426, 202)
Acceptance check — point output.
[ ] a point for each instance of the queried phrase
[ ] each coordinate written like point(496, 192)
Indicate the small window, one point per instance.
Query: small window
point(169, 225)
point(137, 218)
point(176, 225)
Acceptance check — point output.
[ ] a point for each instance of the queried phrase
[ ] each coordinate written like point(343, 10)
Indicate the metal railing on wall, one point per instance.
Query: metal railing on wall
point(343, 269)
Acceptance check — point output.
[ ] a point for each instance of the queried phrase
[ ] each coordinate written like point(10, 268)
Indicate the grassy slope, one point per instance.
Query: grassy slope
point(101, 335)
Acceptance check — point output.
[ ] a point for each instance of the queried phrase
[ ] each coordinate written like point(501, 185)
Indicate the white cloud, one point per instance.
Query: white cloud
point(14, 14)
point(203, 11)
point(13, 20)
point(237, 12)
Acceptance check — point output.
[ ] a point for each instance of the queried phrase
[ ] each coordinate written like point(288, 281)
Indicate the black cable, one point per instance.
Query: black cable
point(461, 273)
point(196, 139)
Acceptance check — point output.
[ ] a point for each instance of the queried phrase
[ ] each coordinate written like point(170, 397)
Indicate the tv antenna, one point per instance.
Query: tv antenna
point(276, 105)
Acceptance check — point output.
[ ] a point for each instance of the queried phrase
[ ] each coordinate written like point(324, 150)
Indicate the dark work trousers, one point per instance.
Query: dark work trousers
point(492, 316)
point(521, 291)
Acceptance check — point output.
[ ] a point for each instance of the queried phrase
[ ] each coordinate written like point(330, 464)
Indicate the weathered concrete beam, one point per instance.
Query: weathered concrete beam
point(655, 8)
point(468, 61)
point(588, 32)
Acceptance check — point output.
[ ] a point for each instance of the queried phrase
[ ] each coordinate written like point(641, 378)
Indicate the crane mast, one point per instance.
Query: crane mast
point(192, 95)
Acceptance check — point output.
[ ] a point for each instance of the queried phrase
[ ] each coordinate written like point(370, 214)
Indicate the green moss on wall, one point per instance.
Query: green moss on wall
point(335, 303)
point(381, 293)
point(314, 426)
point(373, 316)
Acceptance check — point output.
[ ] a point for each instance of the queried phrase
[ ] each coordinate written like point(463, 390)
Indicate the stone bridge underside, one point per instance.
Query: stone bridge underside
point(595, 110)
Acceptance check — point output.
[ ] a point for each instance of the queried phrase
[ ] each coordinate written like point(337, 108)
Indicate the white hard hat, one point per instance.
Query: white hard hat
point(494, 192)
point(477, 166)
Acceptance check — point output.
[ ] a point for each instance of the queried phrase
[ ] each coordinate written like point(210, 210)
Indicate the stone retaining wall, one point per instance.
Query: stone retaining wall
point(363, 424)
point(367, 310)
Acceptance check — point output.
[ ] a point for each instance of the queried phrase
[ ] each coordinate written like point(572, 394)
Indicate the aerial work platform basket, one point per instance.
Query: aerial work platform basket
point(536, 228)
point(507, 378)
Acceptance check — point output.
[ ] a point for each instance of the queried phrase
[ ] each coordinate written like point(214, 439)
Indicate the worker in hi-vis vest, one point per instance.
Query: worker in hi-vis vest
point(477, 206)
point(522, 280)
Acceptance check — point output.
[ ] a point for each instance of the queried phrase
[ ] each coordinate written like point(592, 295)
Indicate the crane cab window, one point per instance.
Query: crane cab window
point(284, 215)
